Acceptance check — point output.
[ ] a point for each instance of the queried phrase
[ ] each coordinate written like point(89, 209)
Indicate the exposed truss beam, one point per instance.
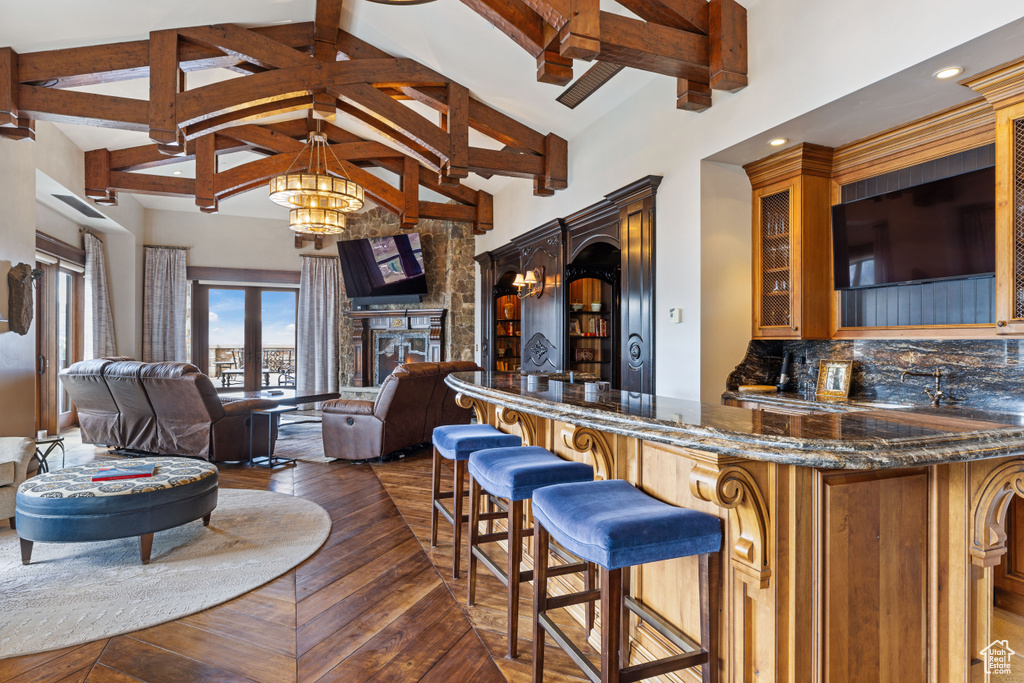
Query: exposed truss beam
point(287, 69)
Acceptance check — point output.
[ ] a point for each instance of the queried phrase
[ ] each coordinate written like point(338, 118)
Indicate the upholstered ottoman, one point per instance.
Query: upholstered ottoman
point(67, 506)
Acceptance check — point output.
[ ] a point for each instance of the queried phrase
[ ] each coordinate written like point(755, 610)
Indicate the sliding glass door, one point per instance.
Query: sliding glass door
point(59, 341)
point(244, 337)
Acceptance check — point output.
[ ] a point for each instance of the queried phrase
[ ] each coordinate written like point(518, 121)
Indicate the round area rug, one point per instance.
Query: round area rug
point(74, 593)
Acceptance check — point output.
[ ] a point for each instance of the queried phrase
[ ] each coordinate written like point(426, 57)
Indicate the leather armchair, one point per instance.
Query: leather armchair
point(410, 404)
point(162, 408)
point(16, 457)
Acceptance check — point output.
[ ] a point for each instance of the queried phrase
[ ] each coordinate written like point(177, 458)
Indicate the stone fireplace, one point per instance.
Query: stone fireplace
point(384, 339)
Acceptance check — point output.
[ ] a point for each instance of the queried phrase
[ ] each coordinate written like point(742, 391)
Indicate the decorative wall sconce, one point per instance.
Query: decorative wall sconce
point(530, 285)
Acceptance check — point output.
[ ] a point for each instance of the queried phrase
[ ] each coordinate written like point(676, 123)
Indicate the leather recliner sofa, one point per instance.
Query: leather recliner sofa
point(161, 408)
point(412, 401)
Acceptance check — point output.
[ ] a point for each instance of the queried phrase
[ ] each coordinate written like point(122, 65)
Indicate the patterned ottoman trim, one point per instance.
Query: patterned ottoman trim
point(76, 482)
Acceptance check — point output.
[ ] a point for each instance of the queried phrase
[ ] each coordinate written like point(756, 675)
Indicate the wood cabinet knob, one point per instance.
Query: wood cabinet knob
point(1001, 323)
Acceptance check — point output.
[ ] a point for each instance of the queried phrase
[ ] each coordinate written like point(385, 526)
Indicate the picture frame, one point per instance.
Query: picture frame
point(574, 328)
point(834, 378)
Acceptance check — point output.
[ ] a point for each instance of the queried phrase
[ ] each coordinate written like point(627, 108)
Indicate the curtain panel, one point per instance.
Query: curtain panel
point(99, 318)
point(319, 317)
point(164, 305)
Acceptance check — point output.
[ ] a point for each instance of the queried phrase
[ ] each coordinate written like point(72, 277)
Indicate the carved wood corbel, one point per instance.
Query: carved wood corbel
point(586, 440)
point(478, 406)
point(734, 489)
point(527, 424)
point(988, 533)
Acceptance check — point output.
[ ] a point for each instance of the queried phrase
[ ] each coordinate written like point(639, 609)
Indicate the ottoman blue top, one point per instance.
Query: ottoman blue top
point(515, 473)
point(456, 442)
point(616, 525)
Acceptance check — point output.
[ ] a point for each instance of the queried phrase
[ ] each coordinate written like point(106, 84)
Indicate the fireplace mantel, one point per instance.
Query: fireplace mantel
point(417, 331)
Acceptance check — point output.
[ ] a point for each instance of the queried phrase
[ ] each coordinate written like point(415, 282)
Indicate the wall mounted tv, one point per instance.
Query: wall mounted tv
point(383, 270)
point(934, 231)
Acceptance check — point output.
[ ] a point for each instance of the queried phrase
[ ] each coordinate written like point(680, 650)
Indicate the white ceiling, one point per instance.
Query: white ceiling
point(445, 35)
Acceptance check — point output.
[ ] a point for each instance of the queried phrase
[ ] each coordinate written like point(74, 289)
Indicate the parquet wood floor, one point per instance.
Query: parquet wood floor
point(374, 604)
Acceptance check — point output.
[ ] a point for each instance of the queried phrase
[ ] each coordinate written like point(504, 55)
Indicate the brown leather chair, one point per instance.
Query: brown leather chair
point(412, 401)
point(98, 414)
point(163, 408)
point(191, 420)
point(138, 421)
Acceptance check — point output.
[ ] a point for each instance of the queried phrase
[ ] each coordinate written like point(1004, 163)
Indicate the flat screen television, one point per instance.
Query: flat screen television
point(934, 231)
point(383, 270)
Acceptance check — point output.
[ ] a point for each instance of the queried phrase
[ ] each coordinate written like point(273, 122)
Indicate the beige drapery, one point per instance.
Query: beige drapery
point(99, 318)
point(164, 305)
point(317, 360)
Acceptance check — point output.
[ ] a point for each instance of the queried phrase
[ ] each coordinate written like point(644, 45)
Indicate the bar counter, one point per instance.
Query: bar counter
point(861, 540)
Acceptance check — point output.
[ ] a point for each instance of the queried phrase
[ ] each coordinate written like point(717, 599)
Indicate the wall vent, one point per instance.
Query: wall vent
point(585, 85)
point(79, 206)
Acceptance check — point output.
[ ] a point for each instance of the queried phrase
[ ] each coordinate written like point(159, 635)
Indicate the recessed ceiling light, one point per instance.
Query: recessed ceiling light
point(948, 72)
point(176, 172)
point(777, 142)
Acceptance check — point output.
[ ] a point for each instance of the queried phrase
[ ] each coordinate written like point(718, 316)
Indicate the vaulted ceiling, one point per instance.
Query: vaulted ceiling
point(244, 108)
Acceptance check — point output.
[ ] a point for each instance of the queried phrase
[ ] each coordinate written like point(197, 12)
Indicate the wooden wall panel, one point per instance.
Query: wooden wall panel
point(544, 334)
point(875, 576)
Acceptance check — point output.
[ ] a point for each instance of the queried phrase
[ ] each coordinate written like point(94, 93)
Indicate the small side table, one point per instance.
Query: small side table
point(50, 442)
point(273, 416)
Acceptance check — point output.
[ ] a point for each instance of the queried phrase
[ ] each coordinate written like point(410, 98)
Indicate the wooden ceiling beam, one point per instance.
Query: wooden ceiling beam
point(651, 47)
point(685, 15)
point(247, 45)
point(97, 173)
point(580, 38)
point(411, 146)
point(217, 99)
point(159, 185)
point(447, 212)
point(515, 19)
point(555, 13)
point(164, 84)
point(69, 106)
point(457, 126)
point(250, 113)
point(410, 185)
point(484, 219)
point(692, 95)
point(326, 21)
point(554, 68)
point(8, 88)
point(728, 45)
point(396, 116)
point(514, 164)
point(206, 171)
point(95, 64)
point(149, 156)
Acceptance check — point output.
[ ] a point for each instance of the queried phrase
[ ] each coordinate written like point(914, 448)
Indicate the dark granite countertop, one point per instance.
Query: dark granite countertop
point(846, 435)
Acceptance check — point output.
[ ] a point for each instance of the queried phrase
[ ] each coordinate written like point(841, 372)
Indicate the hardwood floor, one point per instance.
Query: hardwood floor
point(374, 604)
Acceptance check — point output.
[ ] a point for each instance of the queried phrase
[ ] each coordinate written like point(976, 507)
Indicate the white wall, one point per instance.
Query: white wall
point(803, 55)
point(17, 245)
point(230, 241)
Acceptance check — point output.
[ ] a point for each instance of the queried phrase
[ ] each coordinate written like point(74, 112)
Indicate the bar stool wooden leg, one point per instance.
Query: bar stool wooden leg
point(624, 627)
point(459, 488)
point(611, 624)
point(474, 523)
point(515, 558)
point(435, 491)
point(541, 541)
point(708, 574)
point(588, 585)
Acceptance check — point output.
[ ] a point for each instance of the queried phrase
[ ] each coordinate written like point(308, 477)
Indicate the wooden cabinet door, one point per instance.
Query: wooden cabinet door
point(1010, 220)
point(776, 268)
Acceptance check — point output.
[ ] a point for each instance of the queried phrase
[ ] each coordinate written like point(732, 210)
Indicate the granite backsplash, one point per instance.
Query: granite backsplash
point(976, 373)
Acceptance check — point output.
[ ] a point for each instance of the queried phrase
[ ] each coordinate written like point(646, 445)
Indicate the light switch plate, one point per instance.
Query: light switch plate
point(675, 315)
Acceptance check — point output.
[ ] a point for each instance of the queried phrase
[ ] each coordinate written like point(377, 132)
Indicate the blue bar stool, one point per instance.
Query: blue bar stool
point(618, 526)
point(457, 443)
point(514, 474)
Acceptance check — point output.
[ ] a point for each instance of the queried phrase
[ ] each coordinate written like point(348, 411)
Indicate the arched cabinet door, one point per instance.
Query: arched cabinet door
point(636, 236)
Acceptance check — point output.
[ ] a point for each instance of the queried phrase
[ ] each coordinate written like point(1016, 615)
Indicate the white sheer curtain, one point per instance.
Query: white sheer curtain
point(99, 320)
point(164, 305)
point(319, 296)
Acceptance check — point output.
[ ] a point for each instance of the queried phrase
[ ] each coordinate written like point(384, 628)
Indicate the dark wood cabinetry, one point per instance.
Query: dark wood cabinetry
point(603, 253)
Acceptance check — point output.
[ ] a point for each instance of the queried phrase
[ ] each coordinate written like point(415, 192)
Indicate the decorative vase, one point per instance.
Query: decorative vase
point(510, 310)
